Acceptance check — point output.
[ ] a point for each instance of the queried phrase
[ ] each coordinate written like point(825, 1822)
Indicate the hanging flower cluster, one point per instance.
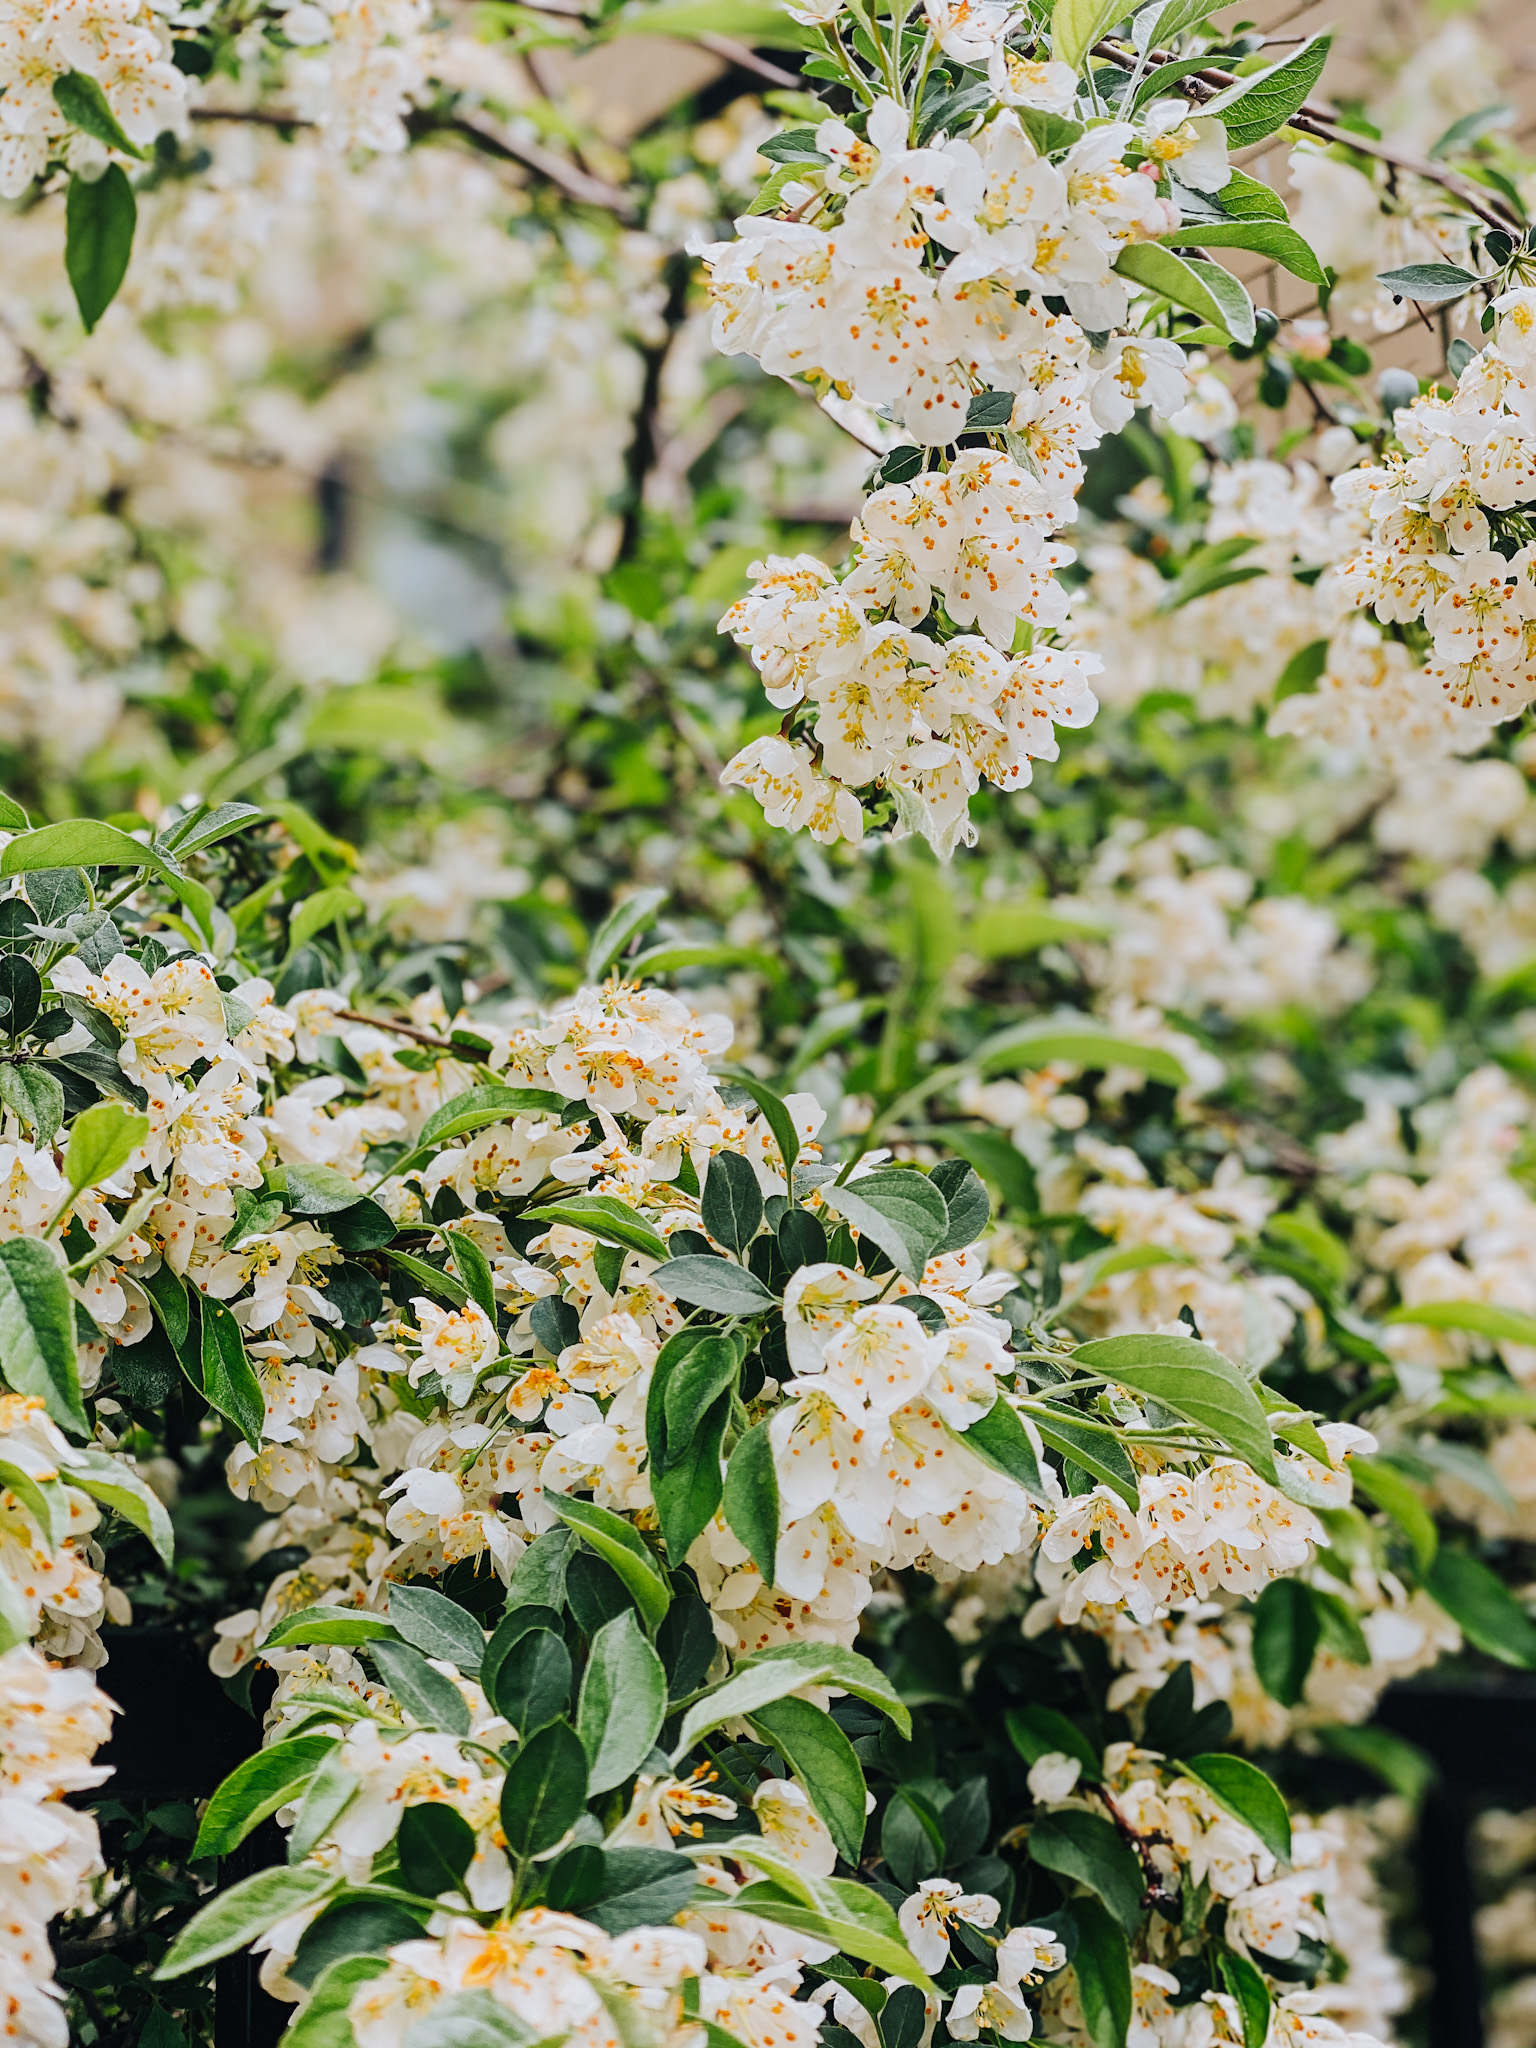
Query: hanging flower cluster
point(978, 257)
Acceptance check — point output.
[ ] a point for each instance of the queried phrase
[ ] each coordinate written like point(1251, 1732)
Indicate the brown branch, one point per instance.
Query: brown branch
point(745, 59)
point(400, 1030)
point(490, 140)
point(1318, 122)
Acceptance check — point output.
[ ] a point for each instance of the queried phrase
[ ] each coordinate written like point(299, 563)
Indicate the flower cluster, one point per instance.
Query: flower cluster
point(124, 50)
point(959, 273)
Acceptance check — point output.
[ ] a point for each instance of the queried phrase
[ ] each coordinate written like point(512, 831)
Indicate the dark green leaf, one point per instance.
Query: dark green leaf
point(437, 1626)
point(229, 1383)
point(83, 103)
point(731, 1204)
point(689, 1489)
point(1244, 1790)
point(822, 1758)
point(545, 1790)
point(351, 1927)
point(1001, 1441)
point(902, 1212)
point(533, 1679)
point(474, 1270)
point(751, 1499)
point(257, 1788)
point(99, 220)
point(640, 1888)
point(1037, 1731)
point(436, 1845)
point(623, 1702)
point(970, 1210)
point(1246, 1985)
point(425, 1694)
point(1088, 1849)
point(692, 1388)
point(1265, 100)
point(1483, 1608)
point(713, 1284)
point(1102, 1965)
point(1285, 1633)
point(621, 1548)
point(605, 1218)
point(37, 1331)
point(1098, 1450)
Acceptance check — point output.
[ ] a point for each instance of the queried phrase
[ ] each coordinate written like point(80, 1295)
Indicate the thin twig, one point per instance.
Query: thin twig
point(400, 1030)
point(491, 140)
point(745, 59)
point(1318, 122)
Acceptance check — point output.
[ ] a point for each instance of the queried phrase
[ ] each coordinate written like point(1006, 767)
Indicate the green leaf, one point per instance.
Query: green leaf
point(624, 922)
point(102, 1139)
point(532, 1688)
point(1248, 1795)
point(1129, 1258)
point(438, 1627)
point(1102, 1966)
point(1285, 1636)
point(45, 1500)
point(621, 1547)
point(433, 1700)
point(34, 1096)
point(969, 1206)
point(1482, 1318)
point(1483, 1608)
point(116, 1485)
point(1082, 1044)
point(235, 1918)
point(472, 1111)
point(12, 817)
point(605, 1218)
point(688, 1489)
point(711, 1283)
point(1245, 1984)
point(1276, 239)
point(751, 1499)
point(902, 1212)
point(640, 1888)
point(330, 1792)
point(1037, 1731)
point(83, 842)
point(822, 1758)
point(1097, 1449)
point(1209, 568)
point(1194, 1380)
point(354, 1925)
point(349, 1625)
point(1401, 1766)
point(431, 1279)
point(1001, 1441)
point(99, 219)
point(1386, 1488)
point(699, 1378)
point(229, 1383)
point(317, 1191)
point(850, 1917)
point(436, 1845)
point(83, 103)
point(37, 1332)
point(775, 1114)
point(731, 1203)
point(1257, 105)
point(1429, 284)
point(1076, 25)
point(789, 1668)
point(545, 1790)
point(623, 1703)
point(256, 1788)
point(538, 1577)
point(1204, 289)
point(1176, 16)
point(1087, 1848)
point(325, 907)
point(474, 1270)
point(1246, 198)
point(324, 2023)
point(1461, 134)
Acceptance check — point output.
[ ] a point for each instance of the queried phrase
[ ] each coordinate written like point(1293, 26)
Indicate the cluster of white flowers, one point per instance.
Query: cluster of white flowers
point(915, 280)
point(125, 49)
point(53, 1717)
point(1186, 1839)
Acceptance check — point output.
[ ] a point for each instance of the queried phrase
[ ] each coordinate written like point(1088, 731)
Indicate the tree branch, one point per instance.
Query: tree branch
point(489, 139)
point(1318, 122)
